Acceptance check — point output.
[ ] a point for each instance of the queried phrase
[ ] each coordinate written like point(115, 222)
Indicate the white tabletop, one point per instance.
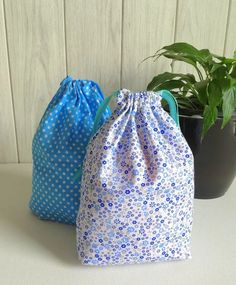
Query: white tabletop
point(38, 252)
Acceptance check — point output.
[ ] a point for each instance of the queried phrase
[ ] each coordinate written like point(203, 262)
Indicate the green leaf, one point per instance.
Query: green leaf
point(218, 70)
point(166, 76)
point(201, 88)
point(186, 50)
point(205, 54)
point(209, 118)
point(169, 85)
point(233, 73)
point(190, 60)
point(224, 60)
point(234, 53)
point(183, 104)
point(229, 104)
point(182, 48)
point(181, 58)
point(229, 61)
point(224, 83)
point(214, 93)
point(157, 80)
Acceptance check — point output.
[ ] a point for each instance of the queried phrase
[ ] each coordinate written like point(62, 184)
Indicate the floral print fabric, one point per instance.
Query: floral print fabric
point(137, 187)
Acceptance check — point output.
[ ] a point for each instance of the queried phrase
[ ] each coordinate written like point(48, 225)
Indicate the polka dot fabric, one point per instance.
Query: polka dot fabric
point(137, 187)
point(59, 147)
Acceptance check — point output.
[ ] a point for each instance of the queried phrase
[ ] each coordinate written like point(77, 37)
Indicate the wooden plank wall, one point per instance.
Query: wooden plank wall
point(42, 41)
point(8, 146)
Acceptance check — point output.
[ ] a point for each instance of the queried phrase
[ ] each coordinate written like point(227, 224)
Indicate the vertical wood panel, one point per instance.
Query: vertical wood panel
point(8, 148)
point(96, 49)
point(37, 61)
point(203, 24)
point(93, 33)
point(147, 26)
point(230, 45)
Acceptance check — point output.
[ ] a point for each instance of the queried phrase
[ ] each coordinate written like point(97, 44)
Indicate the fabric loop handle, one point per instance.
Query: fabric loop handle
point(101, 110)
point(173, 105)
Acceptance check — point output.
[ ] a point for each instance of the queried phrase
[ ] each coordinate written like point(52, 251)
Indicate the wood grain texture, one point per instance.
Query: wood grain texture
point(93, 33)
point(8, 147)
point(147, 26)
point(37, 61)
point(230, 43)
point(104, 40)
point(203, 24)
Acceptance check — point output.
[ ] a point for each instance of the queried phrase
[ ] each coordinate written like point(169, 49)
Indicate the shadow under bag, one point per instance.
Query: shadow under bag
point(59, 147)
point(137, 186)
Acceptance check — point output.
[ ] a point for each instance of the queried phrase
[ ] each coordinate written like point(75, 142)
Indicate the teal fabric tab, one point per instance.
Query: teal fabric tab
point(101, 110)
point(173, 105)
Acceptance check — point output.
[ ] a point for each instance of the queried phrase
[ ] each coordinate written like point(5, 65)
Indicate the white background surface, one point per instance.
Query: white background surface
point(38, 252)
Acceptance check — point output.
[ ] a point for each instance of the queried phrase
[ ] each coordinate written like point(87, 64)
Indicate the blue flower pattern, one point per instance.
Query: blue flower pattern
point(137, 206)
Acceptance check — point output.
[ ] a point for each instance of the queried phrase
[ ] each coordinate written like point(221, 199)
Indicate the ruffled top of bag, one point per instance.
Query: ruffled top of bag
point(138, 99)
point(81, 85)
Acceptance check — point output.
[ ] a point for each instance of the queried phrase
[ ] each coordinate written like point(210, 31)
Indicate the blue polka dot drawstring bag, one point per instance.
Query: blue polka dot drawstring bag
point(137, 187)
point(59, 147)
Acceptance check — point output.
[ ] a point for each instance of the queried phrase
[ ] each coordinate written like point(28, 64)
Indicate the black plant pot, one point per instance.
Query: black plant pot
point(215, 156)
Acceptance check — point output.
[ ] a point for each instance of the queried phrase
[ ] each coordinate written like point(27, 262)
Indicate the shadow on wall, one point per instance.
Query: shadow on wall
point(58, 239)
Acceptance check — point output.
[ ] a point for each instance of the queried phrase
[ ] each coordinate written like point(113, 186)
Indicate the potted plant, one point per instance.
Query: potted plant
point(207, 103)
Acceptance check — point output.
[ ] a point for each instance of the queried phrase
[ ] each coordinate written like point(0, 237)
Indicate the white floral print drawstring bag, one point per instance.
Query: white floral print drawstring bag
point(137, 187)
